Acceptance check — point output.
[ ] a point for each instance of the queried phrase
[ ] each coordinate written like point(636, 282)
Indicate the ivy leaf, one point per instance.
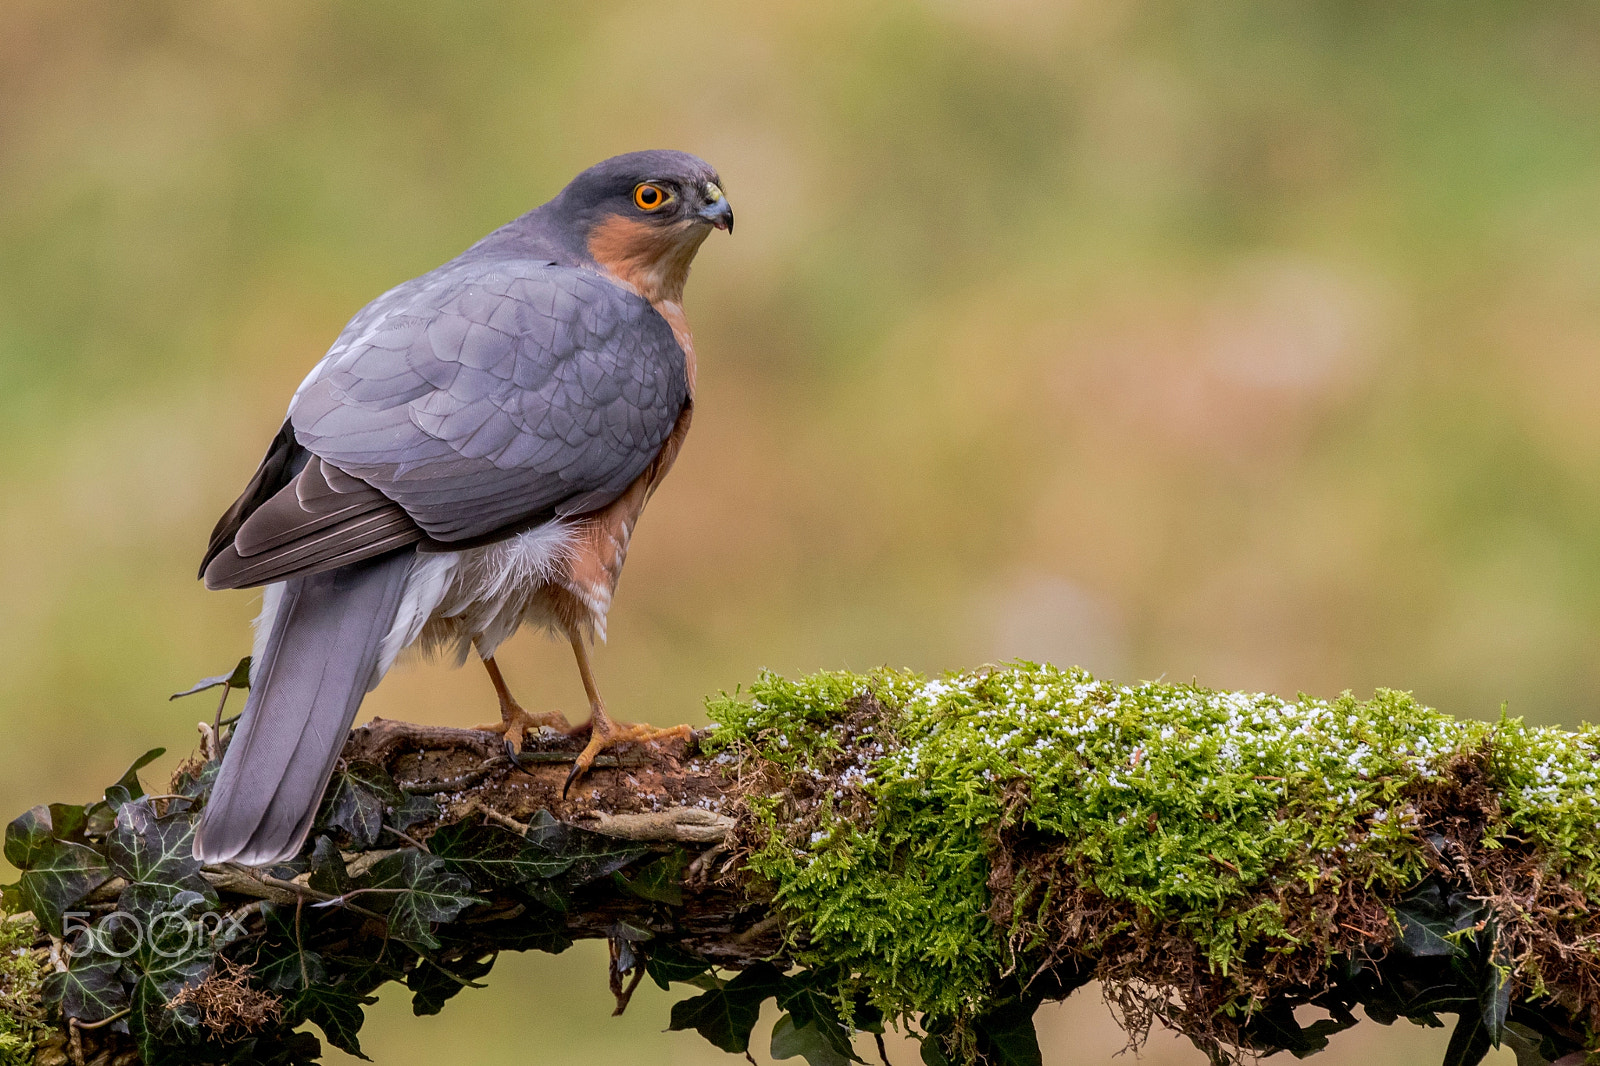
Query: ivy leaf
point(660, 881)
point(293, 1049)
point(328, 873)
point(356, 801)
point(591, 856)
point(157, 852)
point(1275, 1028)
point(68, 821)
point(336, 1011)
point(489, 854)
point(538, 931)
point(196, 783)
point(412, 810)
point(173, 934)
point(725, 1016)
point(169, 952)
point(801, 996)
point(814, 1020)
point(417, 890)
point(1527, 1044)
point(1469, 1043)
point(89, 989)
point(666, 964)
point(153, 1018)
point(815, 1041)
point(284, 968)
point(238, 677)
point(933, 1051)
point(868, 1018)
point(1006, 1036)
point(56, 874)
point(127, 787)
point(433, 982)
point(1494, 994)
point(1422, 934)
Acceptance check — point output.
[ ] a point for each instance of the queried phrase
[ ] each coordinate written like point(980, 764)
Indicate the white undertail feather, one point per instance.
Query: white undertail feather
point(271, 597)
point(455, 601)
point(489, 592)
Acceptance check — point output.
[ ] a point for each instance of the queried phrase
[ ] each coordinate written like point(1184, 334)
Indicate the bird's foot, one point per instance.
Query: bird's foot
point(604, 733)
point(515, 724)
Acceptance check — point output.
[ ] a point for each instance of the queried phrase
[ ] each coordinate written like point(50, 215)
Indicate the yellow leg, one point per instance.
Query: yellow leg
point(514, 721)
point(603, 732)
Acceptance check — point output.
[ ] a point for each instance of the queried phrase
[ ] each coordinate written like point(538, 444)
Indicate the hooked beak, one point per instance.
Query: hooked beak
point(718, 213)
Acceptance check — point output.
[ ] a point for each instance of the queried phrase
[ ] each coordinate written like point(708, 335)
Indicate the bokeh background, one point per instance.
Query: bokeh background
point(1253, 342)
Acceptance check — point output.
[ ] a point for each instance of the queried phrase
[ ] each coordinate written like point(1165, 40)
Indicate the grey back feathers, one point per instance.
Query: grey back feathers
point(505, 390)
point(480, 398)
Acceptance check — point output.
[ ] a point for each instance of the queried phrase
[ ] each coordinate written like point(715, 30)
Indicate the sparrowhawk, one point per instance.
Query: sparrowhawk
point(471, 455)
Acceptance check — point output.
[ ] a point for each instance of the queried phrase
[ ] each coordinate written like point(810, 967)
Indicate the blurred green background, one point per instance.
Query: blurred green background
point(1251, 342)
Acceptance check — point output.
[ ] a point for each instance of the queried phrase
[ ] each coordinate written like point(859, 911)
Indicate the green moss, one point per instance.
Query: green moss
point(877, 820)
point(20, 976)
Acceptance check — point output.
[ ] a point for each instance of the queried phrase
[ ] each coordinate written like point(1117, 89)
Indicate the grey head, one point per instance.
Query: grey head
point(638, 217)
point(657, 188)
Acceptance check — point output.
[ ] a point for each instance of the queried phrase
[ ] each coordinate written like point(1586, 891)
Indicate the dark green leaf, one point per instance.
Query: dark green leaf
point(99, 817)
point(819, 1046)
point(336, 1011)
point(127, 787)
point(660, 881)
point(666, 964)
point(28, 838)
point(867, 1017)
point(68, 822)
point(412, 810)
point(356, 800)
point(153, 1021)
point(238, 677)
point(1494, 999)
point(56, 874)
point(933, 1051)
point(591, 855)
point(547, 895)
point(157, 852)
point(294, 1049)
point(1275, 1028)
point(1527, 1044)
point(196, 783)
point(1006, 1036)
point(416, 890)
point(490, 855)
point(173, 935)
point(89, 990)
point(328, 873)
point(802, 995)
point(280, 963)
point(815, 1029)
point(1469, 1043)
point(433, 982)
point(725, 1016)
point(539, 930)
point(282, 967)
point(1423, 934)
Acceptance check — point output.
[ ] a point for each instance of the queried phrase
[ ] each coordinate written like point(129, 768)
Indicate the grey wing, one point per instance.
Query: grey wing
point(495, 396)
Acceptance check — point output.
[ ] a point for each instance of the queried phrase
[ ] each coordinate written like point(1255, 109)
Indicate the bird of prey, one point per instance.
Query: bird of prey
point(471, 455)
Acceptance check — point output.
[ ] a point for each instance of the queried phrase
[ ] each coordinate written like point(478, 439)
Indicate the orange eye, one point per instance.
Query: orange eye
point(648, 197)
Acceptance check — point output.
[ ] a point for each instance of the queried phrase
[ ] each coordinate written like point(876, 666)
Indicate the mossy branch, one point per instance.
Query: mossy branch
point(870, 850)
